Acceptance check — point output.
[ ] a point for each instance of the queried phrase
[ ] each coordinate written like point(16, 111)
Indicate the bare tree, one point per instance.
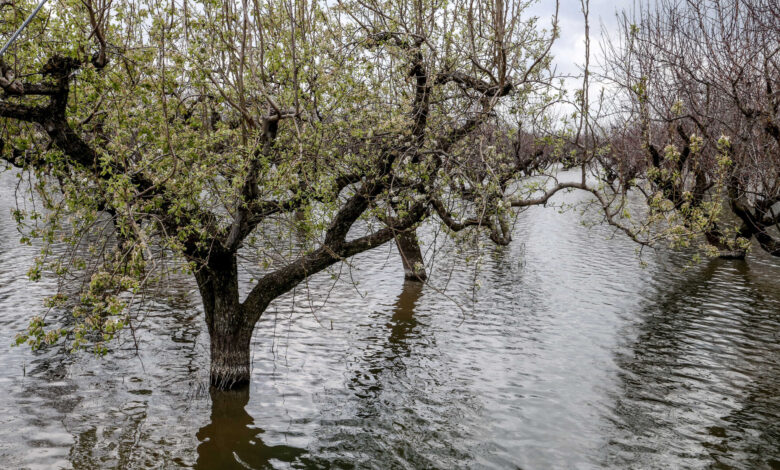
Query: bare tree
point(696, 128)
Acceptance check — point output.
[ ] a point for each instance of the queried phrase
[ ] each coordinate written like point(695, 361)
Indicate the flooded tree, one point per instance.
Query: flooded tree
point(191, 135)
point(697, 132)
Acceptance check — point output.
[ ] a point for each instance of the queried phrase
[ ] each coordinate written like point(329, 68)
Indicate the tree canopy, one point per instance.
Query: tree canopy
point(183, 132)
point(295, 134)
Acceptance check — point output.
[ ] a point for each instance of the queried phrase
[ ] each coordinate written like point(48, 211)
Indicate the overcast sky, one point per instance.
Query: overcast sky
point(569, 49)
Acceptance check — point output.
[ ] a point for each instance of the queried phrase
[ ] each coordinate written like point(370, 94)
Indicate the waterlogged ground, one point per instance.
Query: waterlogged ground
point(573, 356)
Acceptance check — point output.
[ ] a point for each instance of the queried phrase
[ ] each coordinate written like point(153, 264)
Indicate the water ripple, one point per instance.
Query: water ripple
point(570, 355)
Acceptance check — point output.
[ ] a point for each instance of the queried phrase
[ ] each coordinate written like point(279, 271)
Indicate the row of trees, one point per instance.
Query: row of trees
point(299, 133)
point(697, 131)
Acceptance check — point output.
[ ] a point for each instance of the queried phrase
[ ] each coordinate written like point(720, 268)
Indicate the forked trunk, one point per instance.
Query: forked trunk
point(411, 256)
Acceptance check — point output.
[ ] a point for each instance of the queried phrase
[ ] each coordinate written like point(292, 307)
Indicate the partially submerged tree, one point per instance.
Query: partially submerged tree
point(296, 134)
point(697, 125)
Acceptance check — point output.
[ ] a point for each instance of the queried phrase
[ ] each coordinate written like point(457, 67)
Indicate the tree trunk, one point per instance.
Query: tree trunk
point(230, 367)
point(411, 256)
point(725, 251)
point(229, 327)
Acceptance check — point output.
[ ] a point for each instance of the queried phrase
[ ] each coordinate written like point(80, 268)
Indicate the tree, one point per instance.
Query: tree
point(698, 130)
point(294, 134)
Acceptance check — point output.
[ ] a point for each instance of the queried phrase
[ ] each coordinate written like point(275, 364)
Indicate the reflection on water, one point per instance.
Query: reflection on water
point(231, 439)
point(387, 358)
point(403, 321)
point(570, 355)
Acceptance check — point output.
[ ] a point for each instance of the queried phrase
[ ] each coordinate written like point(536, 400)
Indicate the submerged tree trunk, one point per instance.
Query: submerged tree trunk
point(411, 256)
point(230, 329)
point(230, 365)
point(725, 250)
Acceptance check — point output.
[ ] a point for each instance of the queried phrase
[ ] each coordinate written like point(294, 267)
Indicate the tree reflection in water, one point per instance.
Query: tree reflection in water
point(231, 440)
point(378, 363)
point(403, 321)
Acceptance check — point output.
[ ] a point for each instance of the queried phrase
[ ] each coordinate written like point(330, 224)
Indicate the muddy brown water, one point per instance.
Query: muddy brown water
point(570, 355)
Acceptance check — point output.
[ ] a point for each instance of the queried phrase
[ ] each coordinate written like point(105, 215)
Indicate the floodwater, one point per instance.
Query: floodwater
point(571, 355)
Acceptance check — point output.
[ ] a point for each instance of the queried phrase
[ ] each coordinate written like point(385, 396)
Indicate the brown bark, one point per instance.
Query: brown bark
point(230, 351)
point(229, 326)
point(411, 256)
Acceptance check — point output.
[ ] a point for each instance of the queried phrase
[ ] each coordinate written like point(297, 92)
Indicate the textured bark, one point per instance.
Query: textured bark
point(411, 256)
point(229, 327)
point(756, 221)
point(230, 351)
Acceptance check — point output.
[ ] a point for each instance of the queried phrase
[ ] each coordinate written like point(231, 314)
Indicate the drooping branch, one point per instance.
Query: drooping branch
point(549, 193)
point(449, 220)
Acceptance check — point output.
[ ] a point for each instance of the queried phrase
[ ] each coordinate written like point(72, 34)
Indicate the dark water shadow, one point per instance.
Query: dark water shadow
point(232, 440)
point(403, 322)
point(378, 363)
point(388, 390)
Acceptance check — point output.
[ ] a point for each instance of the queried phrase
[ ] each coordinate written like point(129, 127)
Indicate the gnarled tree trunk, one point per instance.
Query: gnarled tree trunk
point(230, 367)
point(230, 328)
point(411, 255)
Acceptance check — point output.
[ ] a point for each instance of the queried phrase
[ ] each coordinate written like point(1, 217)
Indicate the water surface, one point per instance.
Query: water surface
point(570, 355)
